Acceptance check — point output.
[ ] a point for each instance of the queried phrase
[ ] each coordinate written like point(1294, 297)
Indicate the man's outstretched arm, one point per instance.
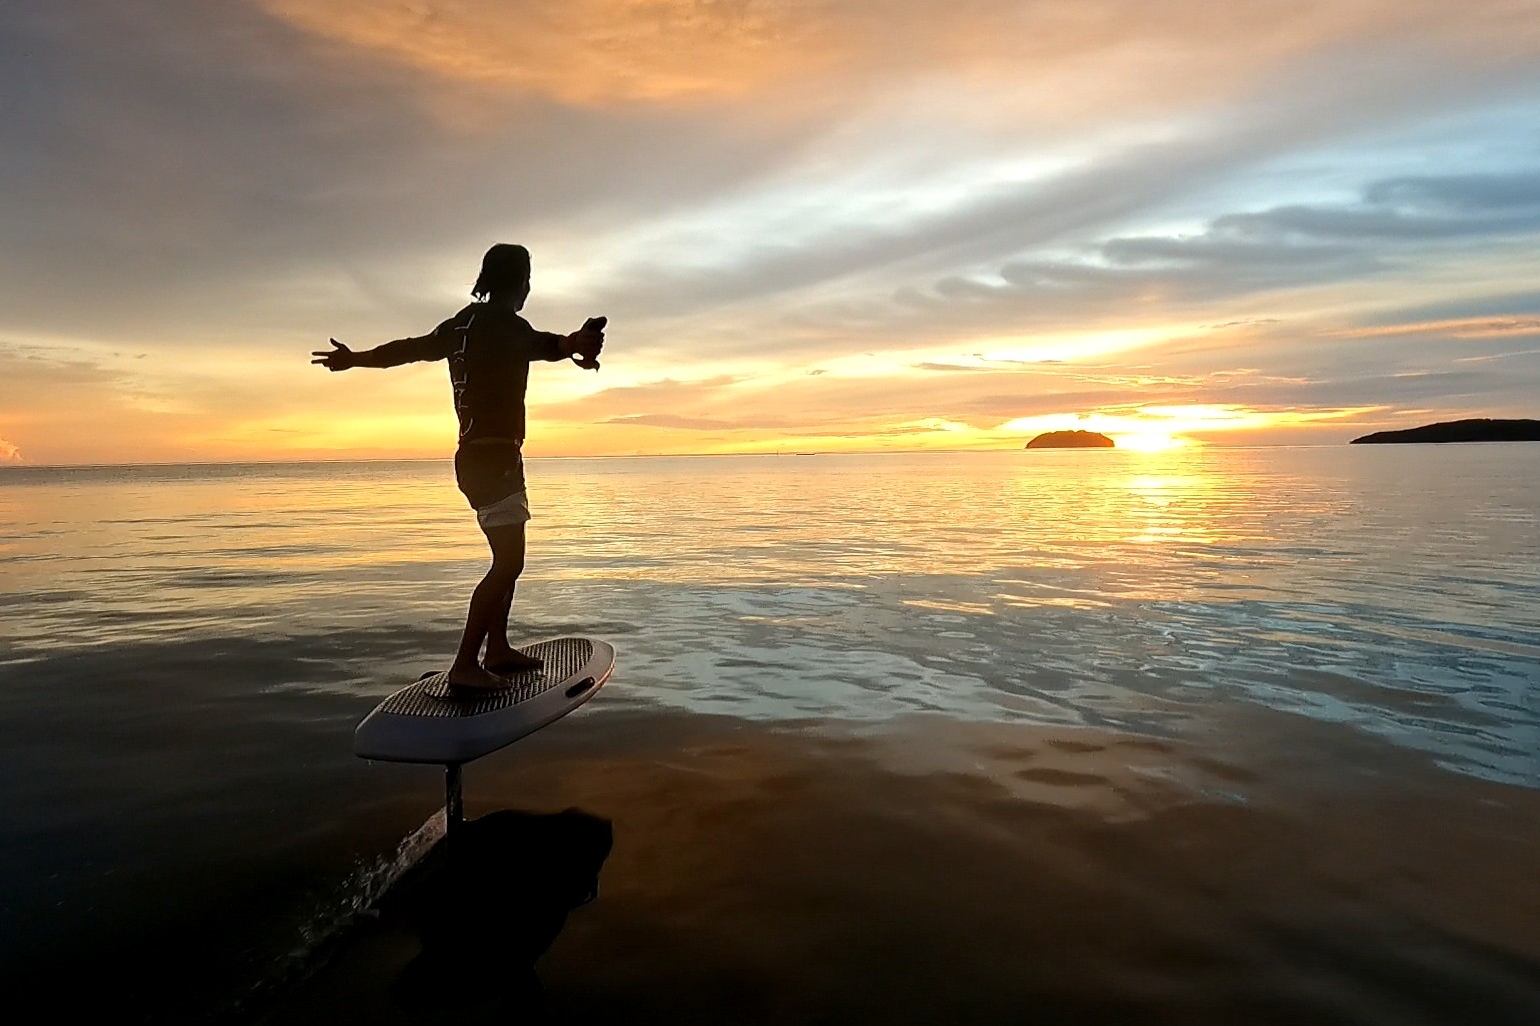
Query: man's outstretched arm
point(585, 342)
point(391, 354)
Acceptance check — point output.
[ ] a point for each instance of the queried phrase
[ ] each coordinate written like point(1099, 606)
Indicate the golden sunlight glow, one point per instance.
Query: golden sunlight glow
point(1148, 441)
point(1155, 428)
point(579, 51)
point(432, 431)
point(1075, 346)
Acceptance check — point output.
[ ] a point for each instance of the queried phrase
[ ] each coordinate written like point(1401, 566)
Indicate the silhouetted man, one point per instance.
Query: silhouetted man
point(489, 348)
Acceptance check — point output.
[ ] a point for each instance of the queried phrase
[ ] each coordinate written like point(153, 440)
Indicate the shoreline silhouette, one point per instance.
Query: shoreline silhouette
point(1475, 429)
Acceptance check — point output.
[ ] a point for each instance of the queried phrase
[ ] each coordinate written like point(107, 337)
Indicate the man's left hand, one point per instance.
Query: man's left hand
point(585, 344)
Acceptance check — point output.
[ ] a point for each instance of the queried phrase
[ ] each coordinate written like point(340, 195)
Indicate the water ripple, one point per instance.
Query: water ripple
point(1396, 594)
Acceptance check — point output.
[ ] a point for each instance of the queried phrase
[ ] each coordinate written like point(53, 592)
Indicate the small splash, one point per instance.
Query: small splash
point(353, 899)
point(368, 883)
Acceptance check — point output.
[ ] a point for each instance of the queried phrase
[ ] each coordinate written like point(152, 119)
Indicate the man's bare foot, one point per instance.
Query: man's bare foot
point(475, 677)
point(512, 661)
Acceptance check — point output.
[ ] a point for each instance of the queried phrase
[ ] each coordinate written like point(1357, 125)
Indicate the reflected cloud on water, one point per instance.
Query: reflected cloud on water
point(948, 872)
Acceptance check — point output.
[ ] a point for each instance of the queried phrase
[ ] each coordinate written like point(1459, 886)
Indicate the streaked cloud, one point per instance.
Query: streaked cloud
point(1462, 327)
point(625, 51)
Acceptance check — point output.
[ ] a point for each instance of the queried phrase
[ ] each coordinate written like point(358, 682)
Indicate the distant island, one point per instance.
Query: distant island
point(1477, 430)
point(1071, 440)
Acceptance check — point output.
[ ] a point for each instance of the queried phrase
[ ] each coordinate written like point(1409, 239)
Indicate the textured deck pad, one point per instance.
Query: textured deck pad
point(430, 722)
point(432, 696)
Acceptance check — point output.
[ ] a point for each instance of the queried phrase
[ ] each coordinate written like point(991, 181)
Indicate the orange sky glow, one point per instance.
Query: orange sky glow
point(814, 226)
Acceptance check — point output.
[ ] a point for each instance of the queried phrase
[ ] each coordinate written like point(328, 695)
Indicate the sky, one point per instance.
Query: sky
point(814, 225)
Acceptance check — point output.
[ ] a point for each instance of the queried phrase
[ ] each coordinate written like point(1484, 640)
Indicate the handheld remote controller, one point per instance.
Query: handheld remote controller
point(592, 324)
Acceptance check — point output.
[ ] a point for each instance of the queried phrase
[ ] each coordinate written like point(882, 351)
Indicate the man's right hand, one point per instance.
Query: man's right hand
point(339, 358)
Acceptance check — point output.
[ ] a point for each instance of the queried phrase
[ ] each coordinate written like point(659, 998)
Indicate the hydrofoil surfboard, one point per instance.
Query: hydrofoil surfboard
point(427, 722)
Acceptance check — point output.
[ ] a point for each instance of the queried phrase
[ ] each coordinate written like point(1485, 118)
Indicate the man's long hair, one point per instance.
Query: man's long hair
point(505, 266)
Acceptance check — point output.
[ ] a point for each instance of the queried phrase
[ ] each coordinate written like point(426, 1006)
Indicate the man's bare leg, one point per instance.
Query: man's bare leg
point(489, 607)
point(503, 658)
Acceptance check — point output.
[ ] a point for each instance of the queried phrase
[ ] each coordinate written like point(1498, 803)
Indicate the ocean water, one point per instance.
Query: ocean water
point(1197, 736)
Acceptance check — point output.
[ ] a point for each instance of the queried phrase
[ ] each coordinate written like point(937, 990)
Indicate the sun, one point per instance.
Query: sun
point(1147, 441)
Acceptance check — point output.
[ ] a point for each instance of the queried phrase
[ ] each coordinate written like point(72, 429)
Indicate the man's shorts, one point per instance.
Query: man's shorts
point(512, 510)
point(491, 477)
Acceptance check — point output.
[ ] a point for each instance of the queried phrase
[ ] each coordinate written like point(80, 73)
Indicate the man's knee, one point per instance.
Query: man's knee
point(499, 578)
point(506, 571)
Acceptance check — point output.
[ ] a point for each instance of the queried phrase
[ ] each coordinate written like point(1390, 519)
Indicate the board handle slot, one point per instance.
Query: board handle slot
point(580, 687)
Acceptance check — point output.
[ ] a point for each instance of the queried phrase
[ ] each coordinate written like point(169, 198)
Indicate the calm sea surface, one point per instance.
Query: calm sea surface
point(1222, 736)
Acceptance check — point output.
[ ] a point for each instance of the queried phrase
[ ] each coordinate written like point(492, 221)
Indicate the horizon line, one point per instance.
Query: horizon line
point(21, 465)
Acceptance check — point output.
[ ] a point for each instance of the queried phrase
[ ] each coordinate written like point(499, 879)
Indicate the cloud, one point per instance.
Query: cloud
point(581, 51)
point(9, 453)
point(675, 421)
point(1389, 211)
point(1457, 328)
point(312, 179)
point(199, 167)
point(1429, 207)
point(594, 52)
point(1464, 193)
point(1247, 255)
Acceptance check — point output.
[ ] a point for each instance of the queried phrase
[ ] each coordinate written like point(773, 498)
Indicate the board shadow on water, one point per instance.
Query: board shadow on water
point(457, 936)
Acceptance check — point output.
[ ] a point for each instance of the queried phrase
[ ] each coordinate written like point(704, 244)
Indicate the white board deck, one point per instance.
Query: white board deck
point(424, 722)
